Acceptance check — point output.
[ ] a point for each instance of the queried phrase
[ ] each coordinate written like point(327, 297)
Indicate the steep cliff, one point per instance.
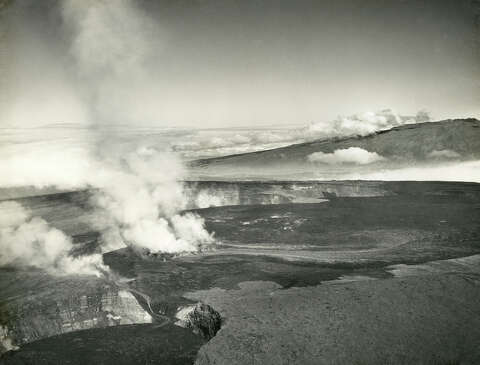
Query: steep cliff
point(204, 194)
point(47, 307)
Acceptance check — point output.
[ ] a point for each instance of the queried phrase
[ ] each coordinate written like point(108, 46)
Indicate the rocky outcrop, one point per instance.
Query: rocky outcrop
point(6, 343)
point(202, 318)
point(204, 194)
point(429, 319)
point(32, 317)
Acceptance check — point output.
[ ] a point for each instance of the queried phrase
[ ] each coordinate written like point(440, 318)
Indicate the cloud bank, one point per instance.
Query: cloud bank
point(351, 155)
point(215, 143)
point(363, 123)
point(212, 143)
point(455, 171)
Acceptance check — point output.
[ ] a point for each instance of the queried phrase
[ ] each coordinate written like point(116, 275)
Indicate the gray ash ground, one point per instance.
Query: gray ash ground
point(127, 344)
point(300, 248)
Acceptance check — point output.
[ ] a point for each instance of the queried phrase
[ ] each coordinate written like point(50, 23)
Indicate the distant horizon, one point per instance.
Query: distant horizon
point(235, 63)
point(254, 126)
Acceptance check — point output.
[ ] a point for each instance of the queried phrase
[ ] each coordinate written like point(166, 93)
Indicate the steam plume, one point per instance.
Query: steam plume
point(140, 192)
point(139, 199)
point(31, 241)
point(143, 202)
point(115, 47)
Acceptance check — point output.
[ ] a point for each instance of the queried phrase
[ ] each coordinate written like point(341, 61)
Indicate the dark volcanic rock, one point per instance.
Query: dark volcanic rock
point(35, 305)
point(202, 318)
point(136, 344)
point(432, 318)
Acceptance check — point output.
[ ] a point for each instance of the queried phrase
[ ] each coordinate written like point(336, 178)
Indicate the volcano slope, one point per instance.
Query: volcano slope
point(421, 144)
point(385, 277)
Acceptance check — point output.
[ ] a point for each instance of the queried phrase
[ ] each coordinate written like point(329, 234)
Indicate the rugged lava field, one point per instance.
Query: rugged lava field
point(374, 273)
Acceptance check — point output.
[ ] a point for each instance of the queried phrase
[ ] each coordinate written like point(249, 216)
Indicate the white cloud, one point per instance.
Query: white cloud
point(363, 123)
point(461, 171)
point(51, 163)
point(351, 155)
point(212, 143)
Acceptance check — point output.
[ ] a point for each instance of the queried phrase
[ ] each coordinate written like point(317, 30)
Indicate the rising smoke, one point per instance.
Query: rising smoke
point(139, 196)
point(28, 240)
point(115, 48)
point(142, 200)
point(140, 191)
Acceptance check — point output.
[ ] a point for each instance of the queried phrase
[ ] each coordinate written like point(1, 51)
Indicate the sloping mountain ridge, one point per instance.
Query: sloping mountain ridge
point(409, 140)
point(401, 146)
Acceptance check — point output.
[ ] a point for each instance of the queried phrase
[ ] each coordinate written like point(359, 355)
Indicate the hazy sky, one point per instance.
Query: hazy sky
point(236, 62)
